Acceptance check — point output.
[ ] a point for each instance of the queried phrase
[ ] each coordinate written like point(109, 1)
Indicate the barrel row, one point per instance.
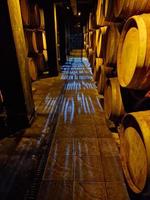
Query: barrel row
point(120, 51)
point(35, 38)
point(108, 11)
point(35, 41)
point(32, 14)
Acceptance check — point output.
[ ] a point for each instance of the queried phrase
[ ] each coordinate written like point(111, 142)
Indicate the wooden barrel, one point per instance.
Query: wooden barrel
point(41, 40)
point(101, 43)
point(32, 68)
point(100, 19)
point(98, 12)
point(90, 39)
point(31, 42)
point(1, 101)
point(113, 105)
point(112, 43)
point(44, 40)
point(34, 16)
point(107, 9)
point(1, 98)
point(40, 62)
point(86, 48)
point(135, 149)
point(90, 22)
point(45, 54)
point(93, 60)
point(42, 19)
point(97, 36)
point(93, 42)
point(98, 63)
point(86, 38)
point(125, 9)
point(104, 71)
point(90, 52)
point(133, 63)
point(25, 12)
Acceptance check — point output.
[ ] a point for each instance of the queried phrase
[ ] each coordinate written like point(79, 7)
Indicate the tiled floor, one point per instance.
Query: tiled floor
point(83, 162)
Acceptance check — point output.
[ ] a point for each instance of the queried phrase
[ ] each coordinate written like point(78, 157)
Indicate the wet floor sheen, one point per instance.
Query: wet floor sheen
point(83, 162)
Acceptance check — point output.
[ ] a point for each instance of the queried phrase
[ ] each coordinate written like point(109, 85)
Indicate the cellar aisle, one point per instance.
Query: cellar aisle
point(83, 161)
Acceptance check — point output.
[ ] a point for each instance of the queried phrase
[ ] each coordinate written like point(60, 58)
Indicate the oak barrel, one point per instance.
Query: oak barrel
point(133, 63)
point(42, 19)
point(34, 16)
point(40, 62)
point(1, 98)
point(41, 40)
point(113, 105)
point(90, 38)
point(107, 9)
point(127, 8)
point(31, 42)
point(32, 68)
point(101, 42)
point(45, 54)
point(1, 101)
point(112, 37)
point(98, 63)
point(92, 21)
point(104, 71)
point(100, 19)
point(25, 12)
point(135, 149)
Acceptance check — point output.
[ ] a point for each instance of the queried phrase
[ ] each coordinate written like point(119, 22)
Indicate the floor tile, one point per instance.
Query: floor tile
point(87, 146)
point(59, 168)
point(103, 131)
point(65, 131)
point(62, 146)
point(37, 126)
point(108, 147)
point(56, 190)
point(88, 168)
point(87, 131)
point(117, 191)
point(112, 168)
point(90, 191)
point(99, 118)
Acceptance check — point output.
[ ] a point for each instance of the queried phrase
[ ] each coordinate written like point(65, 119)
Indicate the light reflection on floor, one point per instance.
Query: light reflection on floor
point(79, 95)
point(78, 89)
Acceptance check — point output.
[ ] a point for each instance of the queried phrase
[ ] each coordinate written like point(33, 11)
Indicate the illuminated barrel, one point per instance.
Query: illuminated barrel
point(98, 63)
point(112, 37)
point(25, 12)
point(127, 8)
point(41, 40)
point(34, 16)
point(104, 71)
point(135, 149)
point(40, 62)
point(42, 19)
point(31, 42)
point(113, 105)
point(101, 43)
point(32, 68)
point(133, 63)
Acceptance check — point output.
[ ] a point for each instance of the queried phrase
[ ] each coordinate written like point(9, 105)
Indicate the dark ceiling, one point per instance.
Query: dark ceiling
point(83, 6)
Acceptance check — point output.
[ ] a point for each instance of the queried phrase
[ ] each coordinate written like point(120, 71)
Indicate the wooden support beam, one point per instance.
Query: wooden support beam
point(51, 36)
point(62, 34)
point(15, 83)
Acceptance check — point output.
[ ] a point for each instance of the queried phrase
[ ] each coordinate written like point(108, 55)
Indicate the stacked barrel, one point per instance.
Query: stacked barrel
point(121, 45)
point(35, 38)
